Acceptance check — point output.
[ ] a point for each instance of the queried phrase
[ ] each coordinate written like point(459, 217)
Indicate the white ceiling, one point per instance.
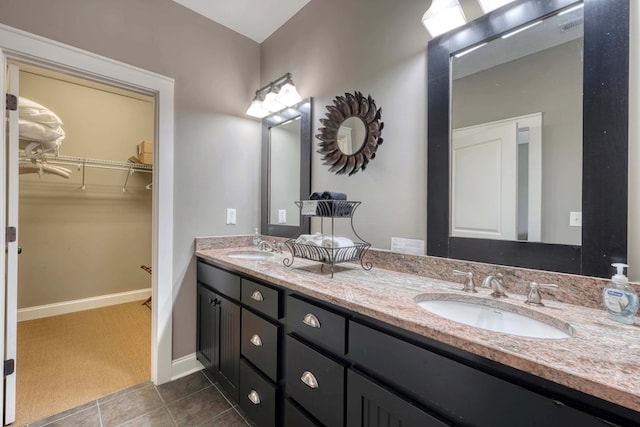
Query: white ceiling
point(256, 19)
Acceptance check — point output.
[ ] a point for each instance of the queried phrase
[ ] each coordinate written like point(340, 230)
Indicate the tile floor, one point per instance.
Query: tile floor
point(194, 400)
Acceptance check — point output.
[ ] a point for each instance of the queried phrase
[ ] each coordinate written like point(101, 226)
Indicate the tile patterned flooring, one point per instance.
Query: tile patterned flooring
point(194, 400)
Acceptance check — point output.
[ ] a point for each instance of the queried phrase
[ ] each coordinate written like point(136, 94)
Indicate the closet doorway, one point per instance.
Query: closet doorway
point(85, 221)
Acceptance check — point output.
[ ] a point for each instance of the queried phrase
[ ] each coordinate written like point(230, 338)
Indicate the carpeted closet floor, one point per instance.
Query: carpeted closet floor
point(64, 361)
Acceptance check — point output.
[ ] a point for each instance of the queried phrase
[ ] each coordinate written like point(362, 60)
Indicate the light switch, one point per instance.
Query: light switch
point(575, 219)
point(231, 216)
point(282, 216)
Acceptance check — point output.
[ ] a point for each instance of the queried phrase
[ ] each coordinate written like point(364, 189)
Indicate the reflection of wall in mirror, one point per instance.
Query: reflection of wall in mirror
point(284, 185)
point(549, 81)
point(344, 139)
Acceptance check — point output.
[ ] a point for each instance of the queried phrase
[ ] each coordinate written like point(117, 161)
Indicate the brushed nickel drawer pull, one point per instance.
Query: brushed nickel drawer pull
point(255, 340)
point(254, 397)
point(309, 379)
point(311, 320)
point(257, 296)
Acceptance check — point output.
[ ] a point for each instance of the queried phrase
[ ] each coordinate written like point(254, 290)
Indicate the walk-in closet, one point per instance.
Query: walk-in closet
point(85, 234)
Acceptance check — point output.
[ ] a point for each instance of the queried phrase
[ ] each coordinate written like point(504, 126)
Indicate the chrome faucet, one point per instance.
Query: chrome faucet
point(534, 292)
point(497, 285)
point(273, 247)
point(469, 284)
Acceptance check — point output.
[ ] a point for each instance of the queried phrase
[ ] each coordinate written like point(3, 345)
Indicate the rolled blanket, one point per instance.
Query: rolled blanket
point(315, 196)
point(332, 195)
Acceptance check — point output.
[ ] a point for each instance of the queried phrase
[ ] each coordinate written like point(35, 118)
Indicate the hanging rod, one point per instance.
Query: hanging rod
point(97, 163)
point(84, 162)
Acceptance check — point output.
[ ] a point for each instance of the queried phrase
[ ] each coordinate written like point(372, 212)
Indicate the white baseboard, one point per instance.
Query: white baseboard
point(65, 307)
point(184, 366)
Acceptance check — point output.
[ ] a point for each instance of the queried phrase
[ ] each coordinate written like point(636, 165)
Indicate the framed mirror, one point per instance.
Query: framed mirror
point(592, 169)
point(351, 133)
point(286, 170)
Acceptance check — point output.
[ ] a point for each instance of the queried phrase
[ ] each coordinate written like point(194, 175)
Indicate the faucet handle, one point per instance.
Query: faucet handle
point(534, 296)
point(469, 284)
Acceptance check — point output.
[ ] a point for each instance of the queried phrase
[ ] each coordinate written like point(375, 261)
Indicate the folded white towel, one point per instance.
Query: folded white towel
point(337, 242)
point(310, 239)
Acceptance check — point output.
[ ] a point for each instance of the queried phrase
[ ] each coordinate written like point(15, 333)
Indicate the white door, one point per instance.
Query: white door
point(483, 182)
point(10, 187)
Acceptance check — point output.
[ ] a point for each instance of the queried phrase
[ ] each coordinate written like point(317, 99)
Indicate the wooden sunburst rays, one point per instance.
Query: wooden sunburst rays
point(350, 105)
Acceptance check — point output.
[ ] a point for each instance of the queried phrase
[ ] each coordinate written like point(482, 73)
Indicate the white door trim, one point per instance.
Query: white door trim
point(25, 47)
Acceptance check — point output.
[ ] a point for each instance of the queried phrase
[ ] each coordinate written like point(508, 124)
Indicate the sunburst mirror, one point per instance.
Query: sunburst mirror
point(351, 133)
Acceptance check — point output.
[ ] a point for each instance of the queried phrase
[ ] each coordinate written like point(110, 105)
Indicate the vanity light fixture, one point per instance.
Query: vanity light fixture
point(275, 96)
point(443, 16)
point(489, 5)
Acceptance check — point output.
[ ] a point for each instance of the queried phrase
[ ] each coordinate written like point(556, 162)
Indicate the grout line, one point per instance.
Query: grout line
point(67, 416)
point(215, 417)
point(99, 413)
point(224, 396)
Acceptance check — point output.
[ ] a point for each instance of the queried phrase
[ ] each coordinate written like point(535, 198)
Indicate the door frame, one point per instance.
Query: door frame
point(23, 47)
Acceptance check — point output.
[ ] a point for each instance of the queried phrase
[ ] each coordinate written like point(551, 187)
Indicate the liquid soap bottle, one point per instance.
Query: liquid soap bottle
point(620, 300)
point(256, 238)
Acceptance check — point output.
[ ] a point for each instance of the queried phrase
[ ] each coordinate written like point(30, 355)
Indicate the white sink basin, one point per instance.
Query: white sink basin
point(494, 316)
point(250, 254)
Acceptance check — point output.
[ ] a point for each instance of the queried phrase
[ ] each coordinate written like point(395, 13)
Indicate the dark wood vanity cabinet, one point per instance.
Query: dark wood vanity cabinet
point(218, 325)
point(290, 360)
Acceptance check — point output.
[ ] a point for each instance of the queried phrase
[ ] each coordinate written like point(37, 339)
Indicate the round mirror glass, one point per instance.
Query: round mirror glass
point(352, 135)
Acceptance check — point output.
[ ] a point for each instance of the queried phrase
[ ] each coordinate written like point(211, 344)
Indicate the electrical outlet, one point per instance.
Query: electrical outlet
point(575, 219)
point(282, 216)
point(231, 216)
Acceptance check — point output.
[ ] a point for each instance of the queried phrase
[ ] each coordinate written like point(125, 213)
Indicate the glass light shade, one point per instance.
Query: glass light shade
point(288, 95)
point(489, 5)
point(443, 16)
point(256, 109)
point(271, 102)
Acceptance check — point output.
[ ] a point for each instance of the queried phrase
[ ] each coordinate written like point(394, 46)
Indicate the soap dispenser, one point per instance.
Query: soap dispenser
point(256, 238)
point(620, 300)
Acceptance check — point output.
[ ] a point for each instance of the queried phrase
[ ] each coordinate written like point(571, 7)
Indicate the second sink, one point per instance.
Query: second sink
point(494, 315)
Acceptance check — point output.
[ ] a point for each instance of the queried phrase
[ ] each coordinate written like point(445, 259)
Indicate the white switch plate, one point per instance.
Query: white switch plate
point(282, 216)
point(575, 219)
point(231, 216)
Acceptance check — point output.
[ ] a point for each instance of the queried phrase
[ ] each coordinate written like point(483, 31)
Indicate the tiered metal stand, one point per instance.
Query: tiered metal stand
point(332, 210)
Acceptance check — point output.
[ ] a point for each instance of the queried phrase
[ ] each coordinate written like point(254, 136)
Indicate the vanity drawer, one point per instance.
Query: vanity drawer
point(257, 396)
point(264, 299)
point(315, 382)
point(317, 325)
point(220, 280)
point(259, 343)
point(294, 417)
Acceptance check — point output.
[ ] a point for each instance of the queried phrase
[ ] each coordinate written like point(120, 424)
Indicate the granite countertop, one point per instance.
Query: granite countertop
point(601, 358)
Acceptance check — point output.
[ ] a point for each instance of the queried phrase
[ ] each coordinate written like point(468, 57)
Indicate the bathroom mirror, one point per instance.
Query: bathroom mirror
point(351, 133)
point(286, 170)
point(602, 164)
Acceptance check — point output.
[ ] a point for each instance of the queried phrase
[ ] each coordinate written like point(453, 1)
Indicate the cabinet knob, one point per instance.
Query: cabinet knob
point(256, 340)
point(311, 320)
point(254, 397)
point(257, 296)
point(309, 379)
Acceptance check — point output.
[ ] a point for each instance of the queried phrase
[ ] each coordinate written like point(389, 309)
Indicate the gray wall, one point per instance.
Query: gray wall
point(549, 82)
point(377, 47)
point(216, 72)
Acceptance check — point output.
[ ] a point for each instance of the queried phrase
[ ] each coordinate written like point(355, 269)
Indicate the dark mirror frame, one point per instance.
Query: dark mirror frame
point(302, 109)
point(605, 141)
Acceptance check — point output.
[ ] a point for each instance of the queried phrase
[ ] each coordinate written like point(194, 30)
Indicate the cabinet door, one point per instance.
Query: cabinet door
point(369, 405)
point(228, 345)
point(205, 327)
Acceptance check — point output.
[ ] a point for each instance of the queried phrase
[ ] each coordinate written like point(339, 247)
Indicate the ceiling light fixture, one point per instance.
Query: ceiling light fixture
point(275, 96)
point(443, 16)
point(489, 5)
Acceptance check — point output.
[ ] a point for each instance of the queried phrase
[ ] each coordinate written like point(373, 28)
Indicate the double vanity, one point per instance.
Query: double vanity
point(295, 347)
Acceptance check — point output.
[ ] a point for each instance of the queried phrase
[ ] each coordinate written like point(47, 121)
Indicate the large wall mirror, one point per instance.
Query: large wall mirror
point(528, 129)
point(286, 170)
